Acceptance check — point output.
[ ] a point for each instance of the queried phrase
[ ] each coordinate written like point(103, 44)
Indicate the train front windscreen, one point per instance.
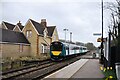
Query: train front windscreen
point(56, 46)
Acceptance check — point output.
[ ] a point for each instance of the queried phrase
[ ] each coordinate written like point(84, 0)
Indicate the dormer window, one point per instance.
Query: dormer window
point(45, 33)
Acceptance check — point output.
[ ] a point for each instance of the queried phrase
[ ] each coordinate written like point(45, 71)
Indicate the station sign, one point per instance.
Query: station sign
point(97, 34)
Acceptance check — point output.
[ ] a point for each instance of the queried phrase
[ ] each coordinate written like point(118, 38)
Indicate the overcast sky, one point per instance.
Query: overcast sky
point(81, 17)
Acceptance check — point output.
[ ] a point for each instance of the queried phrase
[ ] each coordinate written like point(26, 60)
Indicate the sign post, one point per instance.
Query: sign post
point(97, 34)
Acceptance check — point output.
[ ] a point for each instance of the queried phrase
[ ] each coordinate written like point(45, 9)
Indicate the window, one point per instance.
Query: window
point(54, 38)
point(44, 48)
point(28, 33)
point(45, 33)
point(56, 47)
point(21, 48)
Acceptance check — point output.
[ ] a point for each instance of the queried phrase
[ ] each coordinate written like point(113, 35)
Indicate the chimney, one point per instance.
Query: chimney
point(19, 23)
point(43, 22)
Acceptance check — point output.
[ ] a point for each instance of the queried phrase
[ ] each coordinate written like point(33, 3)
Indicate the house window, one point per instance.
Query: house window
point(28, 33)
point(54, 38)
point(21, 48)
point(45, 33)
point(44, 48)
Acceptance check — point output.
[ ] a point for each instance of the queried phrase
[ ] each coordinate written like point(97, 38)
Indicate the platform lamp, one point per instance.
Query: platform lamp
point(102, 54)
point(65, 33)
point(70, 36)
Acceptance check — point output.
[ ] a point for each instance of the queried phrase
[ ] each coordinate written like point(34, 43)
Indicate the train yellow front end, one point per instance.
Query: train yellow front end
point(57, 51)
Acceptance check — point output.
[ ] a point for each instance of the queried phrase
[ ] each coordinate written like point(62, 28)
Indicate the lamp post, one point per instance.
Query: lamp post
point(70, 36)
point(102, 55)
point(65, 33)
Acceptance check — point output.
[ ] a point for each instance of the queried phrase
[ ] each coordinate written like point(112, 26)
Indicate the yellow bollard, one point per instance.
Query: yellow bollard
point(111, 68)
point(101, 68)
point(110, 77)
point(104, 69)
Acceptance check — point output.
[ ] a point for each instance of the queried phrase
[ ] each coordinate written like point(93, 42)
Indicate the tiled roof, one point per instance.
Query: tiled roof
point(38, 27)
point(12, 37)
point(9, 25)
point(50, 30)
point(20, 26)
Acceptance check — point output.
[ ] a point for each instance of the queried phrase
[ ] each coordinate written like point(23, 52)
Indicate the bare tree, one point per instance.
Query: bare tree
point(115, 15)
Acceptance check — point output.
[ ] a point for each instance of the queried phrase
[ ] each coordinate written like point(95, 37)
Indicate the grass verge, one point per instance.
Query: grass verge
point(109, 73)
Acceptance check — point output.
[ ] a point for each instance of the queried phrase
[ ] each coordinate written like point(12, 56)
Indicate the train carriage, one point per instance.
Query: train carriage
point(60, 50)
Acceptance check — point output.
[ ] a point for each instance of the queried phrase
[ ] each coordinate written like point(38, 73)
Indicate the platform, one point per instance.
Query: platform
point(83, 68)
point(90, 70)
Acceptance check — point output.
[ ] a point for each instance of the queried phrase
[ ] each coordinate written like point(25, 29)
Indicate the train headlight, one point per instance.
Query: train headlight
point(56, 53)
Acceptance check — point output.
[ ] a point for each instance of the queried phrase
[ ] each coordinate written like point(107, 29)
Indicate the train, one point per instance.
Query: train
point(59, 50)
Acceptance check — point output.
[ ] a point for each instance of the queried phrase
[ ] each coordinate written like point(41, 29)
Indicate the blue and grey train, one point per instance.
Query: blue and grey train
point(60, 50)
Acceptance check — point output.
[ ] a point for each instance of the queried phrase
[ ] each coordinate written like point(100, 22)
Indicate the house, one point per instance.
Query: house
point(13, 44)
point(40, 36)
point(18, 27)
point(52, 32)
point(6, 25)
point(31, 40)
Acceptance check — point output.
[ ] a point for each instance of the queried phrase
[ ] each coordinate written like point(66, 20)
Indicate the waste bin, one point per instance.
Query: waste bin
point(117, 66)
point(94, 55)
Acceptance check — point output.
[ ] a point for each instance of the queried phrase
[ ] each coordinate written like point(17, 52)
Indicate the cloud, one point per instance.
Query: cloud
point(81, 18)
point(56, 1)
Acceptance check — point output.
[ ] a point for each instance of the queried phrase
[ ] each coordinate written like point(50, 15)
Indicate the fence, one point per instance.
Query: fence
point(11, 65)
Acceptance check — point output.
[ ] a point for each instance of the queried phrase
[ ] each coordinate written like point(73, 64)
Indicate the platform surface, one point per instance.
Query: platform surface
point(68, 71)
point(90, 70)
point(83, 68)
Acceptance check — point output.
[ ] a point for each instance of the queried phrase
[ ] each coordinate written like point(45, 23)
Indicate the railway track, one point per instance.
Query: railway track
point(39, 71)
point(21, 71)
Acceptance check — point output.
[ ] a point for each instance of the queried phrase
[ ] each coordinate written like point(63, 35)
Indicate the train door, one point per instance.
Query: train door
point(74, 50)
point(67, 50)
point(77, 49)
point(80, 49)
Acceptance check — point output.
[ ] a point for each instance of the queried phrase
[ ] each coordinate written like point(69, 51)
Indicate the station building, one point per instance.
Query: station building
point(31, 40)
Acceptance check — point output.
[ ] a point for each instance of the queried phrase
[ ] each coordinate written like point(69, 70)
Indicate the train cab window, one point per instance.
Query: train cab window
point(56, 47)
